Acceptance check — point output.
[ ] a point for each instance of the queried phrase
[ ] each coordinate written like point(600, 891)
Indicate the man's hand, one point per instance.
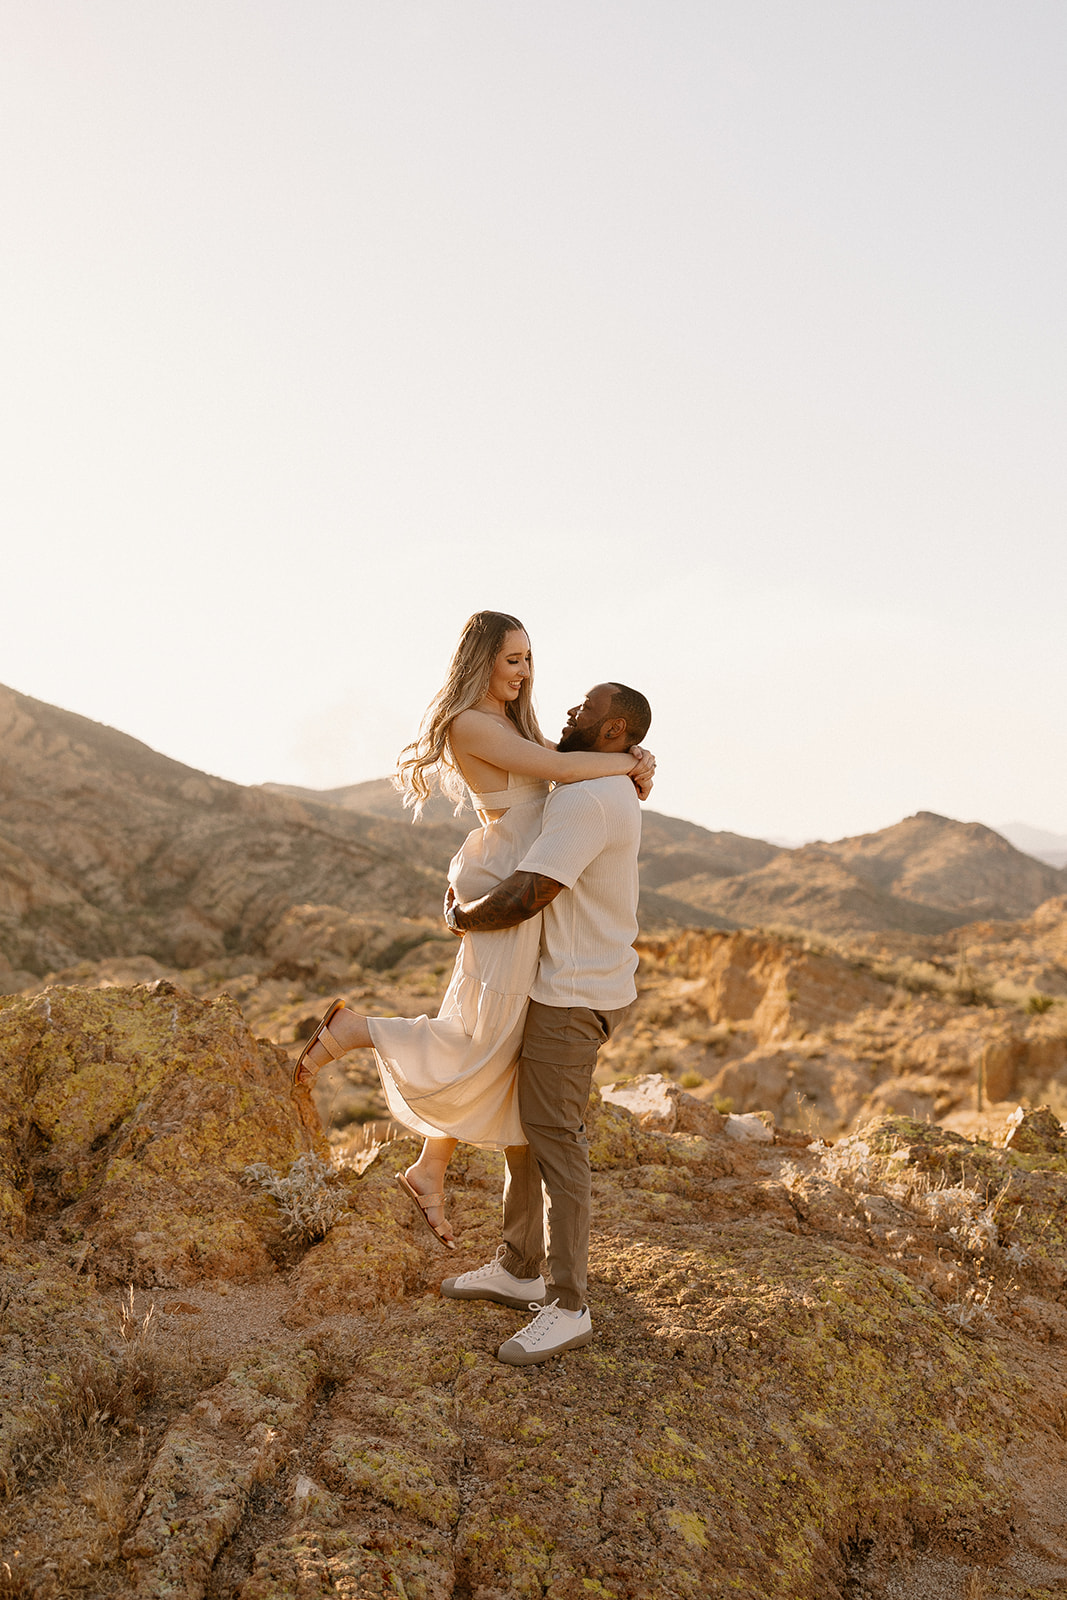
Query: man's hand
point(516, 900)
point(642, 774)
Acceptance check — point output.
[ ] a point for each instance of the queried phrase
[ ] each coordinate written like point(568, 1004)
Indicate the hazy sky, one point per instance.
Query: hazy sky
point(722, 342)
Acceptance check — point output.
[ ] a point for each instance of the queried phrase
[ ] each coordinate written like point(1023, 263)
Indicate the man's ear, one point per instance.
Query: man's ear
point(614, 729)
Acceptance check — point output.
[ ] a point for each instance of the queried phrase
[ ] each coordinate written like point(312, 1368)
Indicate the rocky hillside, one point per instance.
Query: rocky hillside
point(226, 1374)
point(670, 848)
point(828, 1035)
point(107, 848)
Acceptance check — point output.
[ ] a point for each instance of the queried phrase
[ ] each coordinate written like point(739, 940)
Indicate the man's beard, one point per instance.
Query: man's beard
point(579, 738)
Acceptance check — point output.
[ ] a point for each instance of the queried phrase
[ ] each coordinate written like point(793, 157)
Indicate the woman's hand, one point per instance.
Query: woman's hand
point(450, 909)
point(642, 774)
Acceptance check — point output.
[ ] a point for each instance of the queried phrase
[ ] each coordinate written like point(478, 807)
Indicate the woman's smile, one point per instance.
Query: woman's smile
point(512, 667)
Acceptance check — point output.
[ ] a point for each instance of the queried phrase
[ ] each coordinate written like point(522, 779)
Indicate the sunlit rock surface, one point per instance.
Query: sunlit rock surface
point(821, 1371)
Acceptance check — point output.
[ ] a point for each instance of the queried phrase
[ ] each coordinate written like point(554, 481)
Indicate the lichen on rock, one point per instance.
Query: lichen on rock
point(815, 1368)
point(136, 1111)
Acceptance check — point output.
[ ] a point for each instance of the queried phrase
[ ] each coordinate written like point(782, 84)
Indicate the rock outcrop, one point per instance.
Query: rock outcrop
point(819, 1371)
point(133, 1113)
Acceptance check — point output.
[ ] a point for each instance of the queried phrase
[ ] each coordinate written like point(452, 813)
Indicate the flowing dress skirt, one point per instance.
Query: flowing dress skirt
point(454, 1073)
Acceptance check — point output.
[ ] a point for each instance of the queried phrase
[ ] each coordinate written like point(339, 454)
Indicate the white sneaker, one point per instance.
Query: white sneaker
point(492, 1282)
point(550, 1333)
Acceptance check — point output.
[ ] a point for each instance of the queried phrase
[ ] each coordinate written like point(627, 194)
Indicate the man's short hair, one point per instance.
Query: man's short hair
point(632, 705)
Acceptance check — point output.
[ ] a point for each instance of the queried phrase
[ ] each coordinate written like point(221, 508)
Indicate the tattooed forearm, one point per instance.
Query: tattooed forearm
point(515, 900)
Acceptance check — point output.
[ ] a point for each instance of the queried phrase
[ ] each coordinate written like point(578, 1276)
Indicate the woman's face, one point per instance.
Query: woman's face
point(512, 666)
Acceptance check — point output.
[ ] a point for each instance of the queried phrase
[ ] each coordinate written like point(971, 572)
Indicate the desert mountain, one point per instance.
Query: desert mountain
point(108, 848)
point(923, 875)
point(670, 848)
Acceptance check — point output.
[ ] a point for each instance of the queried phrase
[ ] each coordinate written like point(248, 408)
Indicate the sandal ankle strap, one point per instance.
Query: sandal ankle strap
point(333, 1047)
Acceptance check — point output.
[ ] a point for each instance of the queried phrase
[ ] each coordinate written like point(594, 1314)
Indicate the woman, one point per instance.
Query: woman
point(453, 1077)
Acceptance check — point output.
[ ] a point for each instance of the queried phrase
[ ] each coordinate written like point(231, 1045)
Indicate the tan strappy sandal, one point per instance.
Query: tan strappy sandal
point(424, 1203)
point(305, 1071)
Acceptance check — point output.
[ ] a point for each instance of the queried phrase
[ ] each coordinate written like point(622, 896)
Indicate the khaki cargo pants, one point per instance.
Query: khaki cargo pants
point(547, 1185)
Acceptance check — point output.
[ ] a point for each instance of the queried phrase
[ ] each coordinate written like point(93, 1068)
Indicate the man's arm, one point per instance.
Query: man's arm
point(515, 900)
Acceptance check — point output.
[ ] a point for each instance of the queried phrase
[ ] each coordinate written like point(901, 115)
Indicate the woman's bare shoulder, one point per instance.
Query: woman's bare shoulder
point(472, 717)
point(481, 725)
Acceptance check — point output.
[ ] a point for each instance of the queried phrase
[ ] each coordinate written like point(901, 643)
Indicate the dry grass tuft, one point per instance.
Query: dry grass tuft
point(80, 1461)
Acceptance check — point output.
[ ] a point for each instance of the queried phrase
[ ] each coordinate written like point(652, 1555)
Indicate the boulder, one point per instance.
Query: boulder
point(659, 1104)
point(750, 1127)
point(134, 1112)
point(1035, 1132)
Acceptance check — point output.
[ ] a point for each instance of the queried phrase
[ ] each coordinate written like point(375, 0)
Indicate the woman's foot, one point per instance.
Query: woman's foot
point(339, 1032)
point(429, 1179)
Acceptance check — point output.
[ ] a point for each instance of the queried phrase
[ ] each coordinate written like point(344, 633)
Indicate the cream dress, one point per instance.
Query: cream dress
point(455, 1073)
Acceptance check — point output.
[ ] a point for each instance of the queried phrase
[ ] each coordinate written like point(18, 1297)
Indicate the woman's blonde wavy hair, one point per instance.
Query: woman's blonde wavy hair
point(430, 757)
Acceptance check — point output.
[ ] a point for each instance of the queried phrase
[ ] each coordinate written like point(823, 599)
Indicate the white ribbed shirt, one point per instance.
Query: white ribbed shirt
point(589, 839)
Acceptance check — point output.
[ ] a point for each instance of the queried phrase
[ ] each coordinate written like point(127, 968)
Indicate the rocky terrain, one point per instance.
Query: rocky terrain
point(829, 1251)
point(820, 1371)
point(826, 1035)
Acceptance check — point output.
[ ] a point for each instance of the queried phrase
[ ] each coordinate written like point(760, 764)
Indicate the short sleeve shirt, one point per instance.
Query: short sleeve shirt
point(589, 841)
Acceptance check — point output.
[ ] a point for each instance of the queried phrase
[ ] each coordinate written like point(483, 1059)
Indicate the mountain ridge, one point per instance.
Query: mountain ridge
point(108, 848)
point(925, 874)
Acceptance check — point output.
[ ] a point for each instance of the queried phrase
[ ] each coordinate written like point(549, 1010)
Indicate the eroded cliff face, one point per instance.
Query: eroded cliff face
point(818, 1372)
point(827, 1036)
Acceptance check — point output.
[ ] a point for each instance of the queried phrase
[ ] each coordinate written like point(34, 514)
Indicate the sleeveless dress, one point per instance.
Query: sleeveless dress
point(455, 1073)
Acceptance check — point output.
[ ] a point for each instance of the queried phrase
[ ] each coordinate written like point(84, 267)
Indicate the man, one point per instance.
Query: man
point(582, 873)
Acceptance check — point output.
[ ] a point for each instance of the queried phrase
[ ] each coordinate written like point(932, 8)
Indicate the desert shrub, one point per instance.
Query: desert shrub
point(308, 1198)
point(845, 1162)
point(967, 988)
point(971, 1313)
point(965, 1215)
point(1037, 1004)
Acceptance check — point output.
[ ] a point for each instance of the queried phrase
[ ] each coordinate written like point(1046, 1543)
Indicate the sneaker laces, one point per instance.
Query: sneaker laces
point(489, 1269)
point(547, 1317)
